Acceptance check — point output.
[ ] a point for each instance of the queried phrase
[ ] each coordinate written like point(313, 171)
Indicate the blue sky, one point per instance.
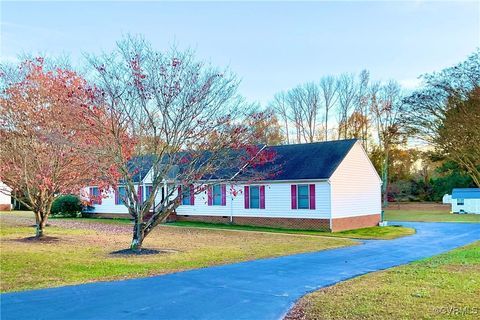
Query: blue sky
point(271, 46)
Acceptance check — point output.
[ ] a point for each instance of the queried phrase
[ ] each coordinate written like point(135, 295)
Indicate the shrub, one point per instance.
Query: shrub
point(67, 206)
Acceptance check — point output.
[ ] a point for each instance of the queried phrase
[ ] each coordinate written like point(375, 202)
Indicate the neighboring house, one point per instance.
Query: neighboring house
point(326, 185)
point(5, 198)
point(466, 200)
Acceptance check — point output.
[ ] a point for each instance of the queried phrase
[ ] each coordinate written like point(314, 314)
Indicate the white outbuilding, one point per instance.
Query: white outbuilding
point(5, 198)
point(447, 199)
point(466, 200)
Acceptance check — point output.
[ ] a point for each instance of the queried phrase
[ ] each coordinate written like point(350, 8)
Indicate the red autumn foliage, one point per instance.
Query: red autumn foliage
point(48, 147)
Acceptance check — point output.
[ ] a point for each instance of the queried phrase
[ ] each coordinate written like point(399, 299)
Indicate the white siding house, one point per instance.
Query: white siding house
point(326, 185)
point(466, 200)
point(5, 198)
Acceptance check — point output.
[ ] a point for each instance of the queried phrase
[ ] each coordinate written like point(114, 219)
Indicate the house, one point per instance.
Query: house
point(466, 200)
point(326, 185)
point(5, 198)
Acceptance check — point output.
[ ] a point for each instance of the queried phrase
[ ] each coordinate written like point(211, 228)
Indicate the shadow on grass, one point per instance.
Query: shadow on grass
point(146, 251)
point(44, 239)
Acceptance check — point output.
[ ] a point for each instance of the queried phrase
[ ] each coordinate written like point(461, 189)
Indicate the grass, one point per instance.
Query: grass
point(442, 287)
point(96, 220)
point(28, 214)
point(390, 232)
point(82, 252)
point(429, 216)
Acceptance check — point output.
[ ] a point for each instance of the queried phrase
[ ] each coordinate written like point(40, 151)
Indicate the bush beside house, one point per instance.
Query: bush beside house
point(67, 206)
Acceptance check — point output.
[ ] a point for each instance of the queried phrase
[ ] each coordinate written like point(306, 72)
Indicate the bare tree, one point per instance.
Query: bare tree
point(280, 106)
point(362, 107)
point(186, 113)
point(328, 87)
point(347, 92)
point(304, 101)
point(387, 107)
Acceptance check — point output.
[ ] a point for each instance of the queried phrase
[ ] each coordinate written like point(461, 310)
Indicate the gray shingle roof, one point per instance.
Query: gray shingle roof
point(316, 160)
point(292, 162)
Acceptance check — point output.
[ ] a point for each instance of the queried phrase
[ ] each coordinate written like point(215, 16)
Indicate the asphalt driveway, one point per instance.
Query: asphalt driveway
point(261, 289)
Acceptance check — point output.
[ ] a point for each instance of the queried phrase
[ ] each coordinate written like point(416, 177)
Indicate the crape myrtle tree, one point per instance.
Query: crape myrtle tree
point(181, 114)
point(44, 133)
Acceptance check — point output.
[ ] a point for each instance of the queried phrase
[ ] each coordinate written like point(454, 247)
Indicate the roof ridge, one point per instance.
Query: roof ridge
point(316, 143)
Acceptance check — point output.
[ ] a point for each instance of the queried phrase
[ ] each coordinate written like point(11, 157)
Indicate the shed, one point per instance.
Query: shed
point(466, 200)
point(5, 197)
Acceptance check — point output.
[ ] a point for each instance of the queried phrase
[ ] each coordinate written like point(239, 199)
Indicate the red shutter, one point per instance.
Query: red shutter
point(224, 194)
point(262, 197)
point(140, 194)
point(99, 196)
point(210, 198)
point(312, 197)
point(192, 195)
point(246, 193)
point(116, 196)
point(90, 195)
point(293, 189)
point(180, 194)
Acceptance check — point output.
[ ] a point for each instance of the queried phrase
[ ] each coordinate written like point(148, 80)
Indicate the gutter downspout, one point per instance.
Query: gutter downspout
point(331, 205)
point(231, 205)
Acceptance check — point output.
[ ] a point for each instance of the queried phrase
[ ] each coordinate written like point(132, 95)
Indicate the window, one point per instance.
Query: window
point(460, 201)
point(95, 197)
point(217, 194)
point(187, 195)
point(121, 195)
point(254, 197)
point(303, 197)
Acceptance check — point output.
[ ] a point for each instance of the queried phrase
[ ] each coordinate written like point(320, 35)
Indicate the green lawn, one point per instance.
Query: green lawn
point(429, 216)
point(442, 287)
point(82, 251)
point(364, 233)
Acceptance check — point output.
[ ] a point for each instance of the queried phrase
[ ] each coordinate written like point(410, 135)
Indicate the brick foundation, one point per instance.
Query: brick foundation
point(5, 207)
point(288, 223)
point(341, 224)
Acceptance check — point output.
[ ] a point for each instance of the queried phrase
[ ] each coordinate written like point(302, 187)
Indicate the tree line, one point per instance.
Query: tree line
point(442, 116)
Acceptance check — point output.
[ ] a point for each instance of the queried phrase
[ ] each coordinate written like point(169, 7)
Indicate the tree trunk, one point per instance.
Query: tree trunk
point(326, 124)
point(385, 180)
point(138, 235)
point(41, 221)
